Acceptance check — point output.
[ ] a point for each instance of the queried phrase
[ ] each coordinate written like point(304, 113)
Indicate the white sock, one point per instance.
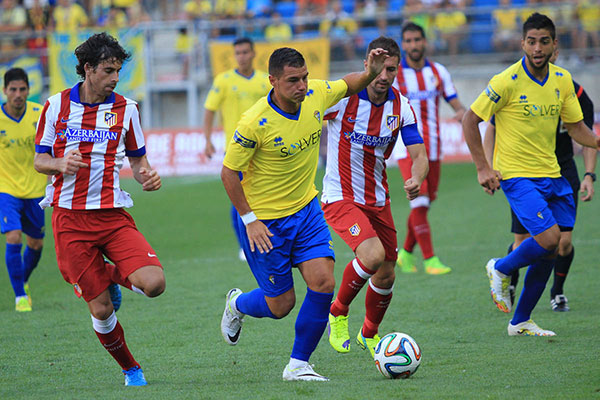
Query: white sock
point(137, 290)
point(295, 363)
point(105, 326)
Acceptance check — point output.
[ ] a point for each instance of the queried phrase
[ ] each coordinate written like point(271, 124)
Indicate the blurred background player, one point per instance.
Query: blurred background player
point(83, 136)
point(527, 100)
point(424, 83)
point(355, 196)
point(280, 221)
point(21, 186)
point(568, 169)
point(232, 93)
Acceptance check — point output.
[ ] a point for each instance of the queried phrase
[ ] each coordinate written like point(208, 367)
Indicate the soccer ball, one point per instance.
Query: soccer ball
point(397, 355)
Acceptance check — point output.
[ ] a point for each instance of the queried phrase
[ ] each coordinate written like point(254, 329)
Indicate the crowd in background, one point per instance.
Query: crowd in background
point(349, 24)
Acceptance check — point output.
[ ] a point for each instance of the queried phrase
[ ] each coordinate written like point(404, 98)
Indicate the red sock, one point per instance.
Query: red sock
point(411, 240)
point(377, 302)
point(116, 277)
point(355, 276)
point(422, 231)
point(114, 343)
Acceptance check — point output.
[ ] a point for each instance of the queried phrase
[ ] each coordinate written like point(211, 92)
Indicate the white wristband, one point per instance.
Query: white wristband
point(248, 218)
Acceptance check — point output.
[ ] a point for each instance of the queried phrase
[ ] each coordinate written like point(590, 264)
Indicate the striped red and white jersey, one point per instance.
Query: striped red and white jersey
point(104, 134)
point(424, 88)
point(360, 137)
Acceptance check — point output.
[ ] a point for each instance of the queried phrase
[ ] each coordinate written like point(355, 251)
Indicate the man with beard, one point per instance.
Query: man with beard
point(527, 100)
point(423, 82)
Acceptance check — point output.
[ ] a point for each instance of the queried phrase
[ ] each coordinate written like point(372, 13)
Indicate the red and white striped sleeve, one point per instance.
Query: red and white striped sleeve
point(135, 145)
point(46, 133)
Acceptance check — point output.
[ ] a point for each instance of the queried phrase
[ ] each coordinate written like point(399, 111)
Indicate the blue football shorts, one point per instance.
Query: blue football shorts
point(540, 203)
point(21, 214)
point(296, 238)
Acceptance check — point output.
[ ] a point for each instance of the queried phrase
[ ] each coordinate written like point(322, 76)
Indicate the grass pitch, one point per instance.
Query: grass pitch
point(53, 352)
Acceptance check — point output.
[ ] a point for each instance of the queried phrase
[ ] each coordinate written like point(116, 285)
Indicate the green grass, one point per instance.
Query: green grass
point(53, 352)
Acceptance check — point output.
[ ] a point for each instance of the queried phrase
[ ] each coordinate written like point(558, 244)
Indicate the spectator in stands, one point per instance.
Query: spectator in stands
point(416, 12)
point(184, 44)
point(196, 10)
point(341, 29)
point(259, 8)
point(311, 7)
point(588, 15)
point(136, 14)
point(117, 19)
point(506, 30)
point(278, 30)
point(13, 19)
point(68, 17)
point(38, 17)
point(230, 9)
point(373, 10)
point(450, 23)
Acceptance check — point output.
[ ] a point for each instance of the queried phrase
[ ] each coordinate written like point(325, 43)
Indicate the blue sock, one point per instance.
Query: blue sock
point(526, 254)
point(310, 323)
point(254, 304)
point(31, 258)
point(535, 281)
point(14, 264)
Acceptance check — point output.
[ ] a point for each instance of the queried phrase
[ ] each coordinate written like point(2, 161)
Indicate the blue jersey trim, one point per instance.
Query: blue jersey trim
point(136, 153)
point(16, 120)
point(493, 120)
point(533, 78)
point(449, 98)
point(404, 64)
point(410, 134)
point(364, 95)
point(74, 97)
point(293, 117)
point(244, 76)
point(43, 149)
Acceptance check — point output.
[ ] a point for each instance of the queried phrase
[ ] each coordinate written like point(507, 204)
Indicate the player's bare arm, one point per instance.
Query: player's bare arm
point(489, 141)
point(459, 109)
point(419, 170)
point(587, 183)
point(582, 134)
point(258, 233)
point(487, 177)
point(144, 174)
point(357, 81)
point(44, 163)
point(209, 117)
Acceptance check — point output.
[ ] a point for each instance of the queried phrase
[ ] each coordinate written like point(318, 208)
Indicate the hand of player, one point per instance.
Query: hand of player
point(150, 179)
point(209, 149)
point(258, 236)
point(412, 187)
point(375, 61)
point(71, 162)
point(489, 179)
point(587, 188)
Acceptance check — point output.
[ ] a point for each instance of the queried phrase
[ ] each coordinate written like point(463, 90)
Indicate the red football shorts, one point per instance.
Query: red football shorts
point(82, 237)
point(355, 223)
point(429, 187)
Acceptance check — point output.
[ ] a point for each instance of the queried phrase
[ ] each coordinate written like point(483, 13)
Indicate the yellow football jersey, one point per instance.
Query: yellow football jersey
point(17, 148)
point(233, 93)
point(527, 113)
point(278, 152)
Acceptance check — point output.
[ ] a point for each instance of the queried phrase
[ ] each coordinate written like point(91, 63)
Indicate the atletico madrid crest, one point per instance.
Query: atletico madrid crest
point(392, 122)
point(110, 118)
point(354, 230)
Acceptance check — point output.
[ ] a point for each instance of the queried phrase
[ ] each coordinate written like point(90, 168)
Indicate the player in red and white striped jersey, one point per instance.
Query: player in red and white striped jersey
point(362, 131)
point(424, 82)
point(83, 136)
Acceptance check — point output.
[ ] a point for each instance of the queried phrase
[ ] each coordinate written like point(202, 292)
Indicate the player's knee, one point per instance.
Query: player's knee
point(282, 306)
point(384, 278)
point(155, 286)
point(14, 237)
point(101, 310)
point(373, 257)
point(565, 246)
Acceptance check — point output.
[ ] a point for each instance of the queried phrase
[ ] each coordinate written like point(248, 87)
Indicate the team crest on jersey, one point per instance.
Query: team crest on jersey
point(110, 118)
point(354, 230)
point(317, 115)
point(272, 279)
point(392, 122)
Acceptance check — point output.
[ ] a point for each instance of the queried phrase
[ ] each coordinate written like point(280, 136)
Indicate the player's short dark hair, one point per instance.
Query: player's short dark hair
point(244, 40)
point(15, 74)
point(98, 48)
point(385, 43)
point(282, 57)
point(539, 21)
point(412, 27)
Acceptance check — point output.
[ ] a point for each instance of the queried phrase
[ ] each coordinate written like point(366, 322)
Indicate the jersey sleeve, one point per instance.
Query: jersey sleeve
point(45, 132)
point(447, 84)
point(333, 91)
point(242, 147)
point(409, 129)
point(215, 96)
point(135, 145)
point(571, 110)
point(492, 99)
